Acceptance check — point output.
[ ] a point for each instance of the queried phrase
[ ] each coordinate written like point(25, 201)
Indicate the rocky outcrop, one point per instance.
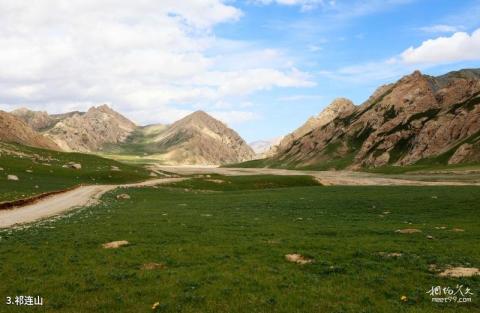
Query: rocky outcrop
point(41, 120)
point(13, 129)
point(90, 131)
point(419, 117)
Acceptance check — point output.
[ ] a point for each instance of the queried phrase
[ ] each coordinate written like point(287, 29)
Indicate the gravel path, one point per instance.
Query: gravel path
point(59, 203)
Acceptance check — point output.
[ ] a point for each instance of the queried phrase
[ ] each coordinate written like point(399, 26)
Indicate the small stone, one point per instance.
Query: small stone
point(298, 258)
point(115, 244)
point(12, 177)
point(408, 231)
point(123, 196)
point(429, 237)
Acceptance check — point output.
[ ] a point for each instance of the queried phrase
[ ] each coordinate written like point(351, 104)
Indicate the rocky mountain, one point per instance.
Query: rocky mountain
point(419, 118)
point(337, 107)
point(13, 129)
point(90, 131)
point(200, 139)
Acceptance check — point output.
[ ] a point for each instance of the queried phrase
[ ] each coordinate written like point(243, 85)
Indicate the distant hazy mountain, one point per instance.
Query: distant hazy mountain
point(418, 118)
point(13, 129)
point(262, 147)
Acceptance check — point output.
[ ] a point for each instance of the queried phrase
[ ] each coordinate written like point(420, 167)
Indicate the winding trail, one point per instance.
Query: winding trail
point(59, 203)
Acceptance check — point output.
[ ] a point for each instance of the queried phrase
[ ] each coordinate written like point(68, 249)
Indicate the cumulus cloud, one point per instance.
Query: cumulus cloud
point(146, 58)
point(459, 47)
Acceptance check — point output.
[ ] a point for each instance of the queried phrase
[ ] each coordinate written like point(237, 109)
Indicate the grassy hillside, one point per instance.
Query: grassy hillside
point(41, 170)
point(224, 251)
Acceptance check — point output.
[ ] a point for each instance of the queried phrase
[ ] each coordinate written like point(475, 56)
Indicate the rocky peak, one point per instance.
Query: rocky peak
point(92, 130)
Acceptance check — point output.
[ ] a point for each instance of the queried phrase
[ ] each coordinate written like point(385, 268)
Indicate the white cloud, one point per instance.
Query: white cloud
point(440, 28)
point(458, 47)
point(146, 57)
point(305, 5)
point(441, 50)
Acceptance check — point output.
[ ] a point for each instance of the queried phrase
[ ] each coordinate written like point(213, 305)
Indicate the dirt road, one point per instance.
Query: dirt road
point(59, 203)
point(346, 178)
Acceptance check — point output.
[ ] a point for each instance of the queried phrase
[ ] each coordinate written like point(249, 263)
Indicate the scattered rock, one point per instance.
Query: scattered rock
point(408, 231)
point(115, 168)
point(123, 196)
point(458, 229)
point(386, 212)
point(441, 227)
point(12, 177)
point(29, 171)
point(153, 174)
point(298, 258)
point(216, 181)
point(434, 197)
point(460, 272)
point(115, 244)
point(156, 305)
point(153, 266)
point(390, 254)
point(76, 166)
point(430, 237)
point(1, 168)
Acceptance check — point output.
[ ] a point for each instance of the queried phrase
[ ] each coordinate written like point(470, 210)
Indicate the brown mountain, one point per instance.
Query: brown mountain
point(13, 129)
point(90, 131)
point(195, 139)
point(419, 118)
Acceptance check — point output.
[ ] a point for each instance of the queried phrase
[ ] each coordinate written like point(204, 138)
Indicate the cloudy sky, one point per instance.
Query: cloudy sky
point(262, 66)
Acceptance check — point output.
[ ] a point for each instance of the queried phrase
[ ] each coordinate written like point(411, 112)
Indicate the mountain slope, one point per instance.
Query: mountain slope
point(13, 129)
point(420, 118)
point(338, 107)
point(200, 139)
point(90, 131)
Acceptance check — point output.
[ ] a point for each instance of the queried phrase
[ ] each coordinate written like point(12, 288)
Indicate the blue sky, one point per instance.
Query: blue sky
point(262, 66)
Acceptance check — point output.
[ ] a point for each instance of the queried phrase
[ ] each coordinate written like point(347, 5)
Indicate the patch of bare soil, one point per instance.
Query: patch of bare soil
point(298, 258)
point(153, 266)
point(460, 272)
point(408, 231)
point(115, 244)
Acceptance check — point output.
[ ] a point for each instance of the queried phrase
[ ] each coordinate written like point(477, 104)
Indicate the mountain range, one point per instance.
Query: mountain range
point(195, 139)
point(417, 119)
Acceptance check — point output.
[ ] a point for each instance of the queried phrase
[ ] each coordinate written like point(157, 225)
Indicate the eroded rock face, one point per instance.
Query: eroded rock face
point(418, 117)
point(91, 131)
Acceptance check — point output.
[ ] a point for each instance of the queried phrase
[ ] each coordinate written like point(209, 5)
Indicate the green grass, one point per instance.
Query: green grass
point(232, 183)
point(48, 174)
point(224, 250)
